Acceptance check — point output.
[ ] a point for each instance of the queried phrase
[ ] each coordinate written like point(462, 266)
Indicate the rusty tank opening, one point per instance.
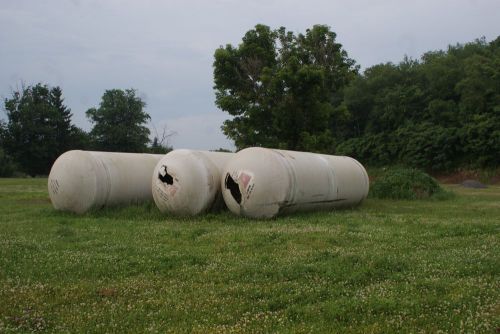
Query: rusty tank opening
point(233, 188)
point(164, 176)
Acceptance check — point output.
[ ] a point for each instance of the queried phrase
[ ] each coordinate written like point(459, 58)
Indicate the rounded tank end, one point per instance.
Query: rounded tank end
point(72, 182)
point(253, 183)
point(185, 182)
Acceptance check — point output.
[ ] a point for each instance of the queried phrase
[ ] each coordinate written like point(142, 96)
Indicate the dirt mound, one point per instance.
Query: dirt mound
point(460, 176)
point(473, 184)
point(457, 177)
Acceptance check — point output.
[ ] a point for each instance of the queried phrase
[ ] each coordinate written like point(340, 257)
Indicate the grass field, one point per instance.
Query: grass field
point(388, 266)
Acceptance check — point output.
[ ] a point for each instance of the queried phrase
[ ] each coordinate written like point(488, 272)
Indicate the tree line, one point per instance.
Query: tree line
point(302, 92)
point(39, 128)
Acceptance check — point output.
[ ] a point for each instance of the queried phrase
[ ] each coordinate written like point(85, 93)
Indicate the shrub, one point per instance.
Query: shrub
point(406, 183)
point(7, 166)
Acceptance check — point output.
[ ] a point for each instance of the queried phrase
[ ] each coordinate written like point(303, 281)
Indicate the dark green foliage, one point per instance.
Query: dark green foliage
point(439, 113)
point(302, 92)
point(283, 90)
point(404, 183)
point(7, 167)
point(119, 122)
point(39, 128)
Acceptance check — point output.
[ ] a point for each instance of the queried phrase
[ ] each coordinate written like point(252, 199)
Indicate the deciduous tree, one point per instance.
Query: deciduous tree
point(283, 90)
point(119, 122)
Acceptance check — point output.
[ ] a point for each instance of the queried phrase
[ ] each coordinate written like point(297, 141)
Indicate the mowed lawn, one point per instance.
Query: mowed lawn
point(388, 266)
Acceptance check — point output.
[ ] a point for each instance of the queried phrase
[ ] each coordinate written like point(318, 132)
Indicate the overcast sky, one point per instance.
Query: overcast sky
point(165, 49)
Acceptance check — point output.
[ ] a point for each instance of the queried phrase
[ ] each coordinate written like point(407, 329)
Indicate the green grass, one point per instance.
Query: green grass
point(388, 266)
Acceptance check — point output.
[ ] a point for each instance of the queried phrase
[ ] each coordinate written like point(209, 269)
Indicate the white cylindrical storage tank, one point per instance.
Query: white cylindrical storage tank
point(84, 180)
point(262, 183)
point(187, 182)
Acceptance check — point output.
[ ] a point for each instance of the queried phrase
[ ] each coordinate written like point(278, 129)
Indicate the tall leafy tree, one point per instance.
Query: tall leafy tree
point(119, 122)
point(283, 90)
point(39, 128)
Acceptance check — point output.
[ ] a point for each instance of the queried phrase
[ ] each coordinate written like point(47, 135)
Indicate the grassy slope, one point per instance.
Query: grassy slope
point(389, 266)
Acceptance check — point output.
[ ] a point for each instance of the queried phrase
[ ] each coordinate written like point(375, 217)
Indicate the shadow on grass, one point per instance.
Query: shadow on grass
point(149, 214)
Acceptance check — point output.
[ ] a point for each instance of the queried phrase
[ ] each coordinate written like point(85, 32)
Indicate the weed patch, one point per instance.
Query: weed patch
point(406, 183)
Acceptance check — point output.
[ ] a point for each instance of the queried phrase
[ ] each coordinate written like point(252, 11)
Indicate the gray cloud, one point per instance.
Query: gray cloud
point(165, 48)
